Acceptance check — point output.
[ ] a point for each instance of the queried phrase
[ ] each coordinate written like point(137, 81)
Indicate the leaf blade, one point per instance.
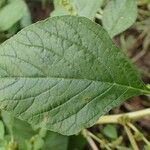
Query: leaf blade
point(64, 78)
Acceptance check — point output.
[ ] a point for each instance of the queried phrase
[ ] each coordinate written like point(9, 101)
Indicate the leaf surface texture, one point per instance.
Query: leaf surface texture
point(64, 73)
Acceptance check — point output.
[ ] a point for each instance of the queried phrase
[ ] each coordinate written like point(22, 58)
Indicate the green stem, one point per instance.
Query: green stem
point(137, 131)
point(98, 140)
point(131, 138)
point(98, 16)
point(95, 137)
point(131, 116)
point(89, 139)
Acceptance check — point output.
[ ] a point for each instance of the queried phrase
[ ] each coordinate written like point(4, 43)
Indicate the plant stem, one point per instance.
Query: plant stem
point(132, 116)
point(92, 143)
point(98, 140)
point(98, 16)
point(137, 131)
point(94, 137)
point(131, 138)
point(89, 139)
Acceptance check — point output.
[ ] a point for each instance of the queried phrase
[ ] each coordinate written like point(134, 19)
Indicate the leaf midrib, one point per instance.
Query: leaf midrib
point(143, 91)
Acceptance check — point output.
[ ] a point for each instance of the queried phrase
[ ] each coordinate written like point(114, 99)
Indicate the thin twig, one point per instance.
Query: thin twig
point(137, 131)
point(95, 137)
point(131, 138)
point(90, 140)
point(98, 16)
point(101, 142)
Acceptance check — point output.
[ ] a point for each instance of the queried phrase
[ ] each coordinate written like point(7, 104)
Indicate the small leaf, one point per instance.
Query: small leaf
point(119, 15)
point(64, 73)
point(110, 131)
point(11, 13)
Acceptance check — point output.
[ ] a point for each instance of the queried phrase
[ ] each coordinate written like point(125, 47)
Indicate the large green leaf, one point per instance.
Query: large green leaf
point(86, 8)
point(119, 15)
point(64, 73)
point(12, 13)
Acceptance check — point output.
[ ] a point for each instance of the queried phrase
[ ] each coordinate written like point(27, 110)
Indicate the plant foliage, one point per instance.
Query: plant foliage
point(64, 77)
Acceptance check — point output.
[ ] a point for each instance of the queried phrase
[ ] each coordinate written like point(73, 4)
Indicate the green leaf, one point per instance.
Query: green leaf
point(110, 131)
point(2, 130)
point(86, 8)
point(55, 141)
point(64, 73)
point(119, 15)
point(11, 13)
